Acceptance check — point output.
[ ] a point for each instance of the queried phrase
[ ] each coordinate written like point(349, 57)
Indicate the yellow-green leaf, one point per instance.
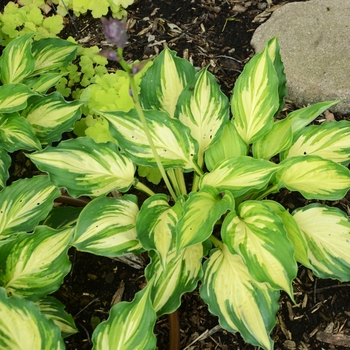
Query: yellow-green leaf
point(241, 303)
point(327, 233)
point(314, 177)
point(257, 234)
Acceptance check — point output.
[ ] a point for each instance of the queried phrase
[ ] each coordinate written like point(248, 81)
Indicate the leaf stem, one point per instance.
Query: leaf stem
point(148, 134)
point(217, 243)
point(260, 195)
point(142, 187)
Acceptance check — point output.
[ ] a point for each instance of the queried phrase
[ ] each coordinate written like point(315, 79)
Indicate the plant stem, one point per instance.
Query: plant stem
point(216, 241)
point(260, 195)
point(142, 187)
point(139, 110)
point(149, 137)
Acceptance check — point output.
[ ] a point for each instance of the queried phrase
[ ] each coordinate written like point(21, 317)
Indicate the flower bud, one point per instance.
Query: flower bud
point(110, 55)
point(115, 31)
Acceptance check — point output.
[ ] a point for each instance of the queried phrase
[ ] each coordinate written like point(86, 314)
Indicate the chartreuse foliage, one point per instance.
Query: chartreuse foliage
point(18, 20)
point(252, 244)
point(98, 8)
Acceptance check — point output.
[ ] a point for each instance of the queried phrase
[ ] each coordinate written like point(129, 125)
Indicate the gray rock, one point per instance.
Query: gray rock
point(315, 46)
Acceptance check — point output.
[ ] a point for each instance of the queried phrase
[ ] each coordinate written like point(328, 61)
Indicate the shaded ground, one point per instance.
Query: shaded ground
point(215, 33)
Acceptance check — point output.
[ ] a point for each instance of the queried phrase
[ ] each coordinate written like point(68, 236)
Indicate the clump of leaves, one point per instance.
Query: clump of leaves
point(98, 8)
point(18, 20)
point(82, 72)
point(181, 124)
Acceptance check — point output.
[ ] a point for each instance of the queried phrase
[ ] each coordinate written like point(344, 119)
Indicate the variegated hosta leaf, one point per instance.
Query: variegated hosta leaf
point(17, 61)
point(34, 265)
point(44, 82)
point(305, 116)
point(204, 109)
point(276, 140)
point(239, 175)
point(52, 53)
point(13, 97)
point(171, 138)
point(255, 98)
point(328, 140)
point(257, 234)
point(54, 310)
point(181, 275)
point(314, 177)
point(327, 233)
point(85, 167)
point(164, 81)
point(16, 133)
point(155, 224)
point(106, 227)
point(25, 203)
point(5, 162)
point(129, 326)
point(274, 53)
point(228, 145)
point(51, 115)
point(23, 327)
point(201, 211)
point(61, 217)
point(241, 303)
point(293, 232)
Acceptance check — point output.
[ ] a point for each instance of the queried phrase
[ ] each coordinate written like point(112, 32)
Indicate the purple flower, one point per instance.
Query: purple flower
point(115, 31)
point(110, 55)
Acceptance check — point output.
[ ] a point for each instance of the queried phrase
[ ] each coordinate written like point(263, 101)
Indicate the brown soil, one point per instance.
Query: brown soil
point(215, 33)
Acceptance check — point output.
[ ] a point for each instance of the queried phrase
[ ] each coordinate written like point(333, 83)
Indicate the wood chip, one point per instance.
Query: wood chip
point(117, 297)
point(334, 339)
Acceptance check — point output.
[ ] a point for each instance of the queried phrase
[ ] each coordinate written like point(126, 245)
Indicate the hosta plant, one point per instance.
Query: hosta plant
point(214, 226)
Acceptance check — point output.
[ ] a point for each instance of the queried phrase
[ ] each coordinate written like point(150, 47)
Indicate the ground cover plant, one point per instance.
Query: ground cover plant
point(213, 225)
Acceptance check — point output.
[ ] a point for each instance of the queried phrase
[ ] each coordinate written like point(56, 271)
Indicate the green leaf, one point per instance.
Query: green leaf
point(44, 82)
point(16, 133)
point(85, 167)
point(204, 109)
point(241, 303)
point(61, 217)
point(52, 54)
point(276, 140)
point(305, 116)
point(258, 235)
point(327, 233)
point(155, 225)
point(5, 162)
point(293, 232)
point(239, 175)
point(171, 138)
point(129, 326)
point(151, 174)
point(54, 310)
point(106, 227)
point(34, 265)
point(13, 97)
point(314, 177)
point(274, 53)
point(17, 61)
point(181, 275)
point(255, 98)
point(51, 115)
point(201, 211)
point(328, 140)
point(24, 203)
point(23, 327)
point(228, 145)
point(164, 81)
